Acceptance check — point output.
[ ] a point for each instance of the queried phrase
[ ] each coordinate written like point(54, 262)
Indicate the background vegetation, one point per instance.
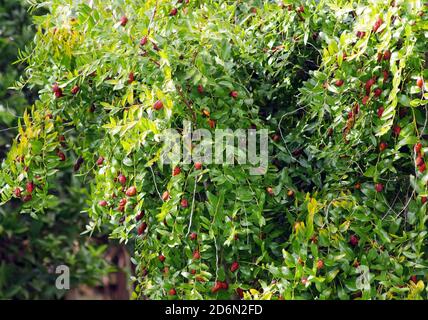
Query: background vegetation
point(32, 247)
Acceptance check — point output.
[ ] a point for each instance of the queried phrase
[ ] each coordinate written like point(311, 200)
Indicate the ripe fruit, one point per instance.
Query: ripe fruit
point(193, 271)
point(100, 161)
point(369, 84)
point(122, 202)
point(420, 82)
point(211, 123)
point(377, 24)
point(172, 292)
point(196, 255)
point(382, 146)
point(30, 187)
point(396, 130)
point(418, 147)
point(358, 186)
point(300, 9)
point(304, 281)
point(276, 137)
point(200, 89)
point(55, 87)
point(123, 21)
point(193, 236)
point(58, 94)
point(380, 111)
point(234, 94)
point(57, 90)
point(206, 113)
point(422, 168)
point(387, 55)
point(385, 75)
point(61, 155)
point(165, 196)
point(122, 179)
point(142, 228)
point(143, 41)
point(379, 187)
point(27, 198)
point(320, 264)
point(224, 285)
point(198, 165)
point(131, 77)
point(78, 164)
point(270, 191)
point(414, 279)
point(132, 191)
point(361, 34)
point(139, 216)
point(353, 240)
point(377, 92)
point(234, 266)
point(75, 90)
point(424, 199)
point(176, 171)
point(419, 160)
point(365, 99)
point(102, 203)
point(290, 193)
point(158, 105)
point(184, 203)
point(161, 258)
point(173, 12)
point(17, 192)
point(339, 83)
point(217, 286)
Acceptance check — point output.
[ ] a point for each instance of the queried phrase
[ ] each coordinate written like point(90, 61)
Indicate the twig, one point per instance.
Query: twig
point(193, 207)
point(186, 102)
point(152, 19)
point(154, 181)
point(155, 62)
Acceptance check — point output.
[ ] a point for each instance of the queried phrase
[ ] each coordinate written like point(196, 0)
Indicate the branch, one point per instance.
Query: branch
point(152, 19)
point(186, 102)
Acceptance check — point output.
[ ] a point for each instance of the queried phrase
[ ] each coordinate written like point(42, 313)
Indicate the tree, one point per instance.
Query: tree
point(340, 212)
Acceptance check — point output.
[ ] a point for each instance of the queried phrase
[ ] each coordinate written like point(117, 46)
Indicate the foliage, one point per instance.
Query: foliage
point(341, 212)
